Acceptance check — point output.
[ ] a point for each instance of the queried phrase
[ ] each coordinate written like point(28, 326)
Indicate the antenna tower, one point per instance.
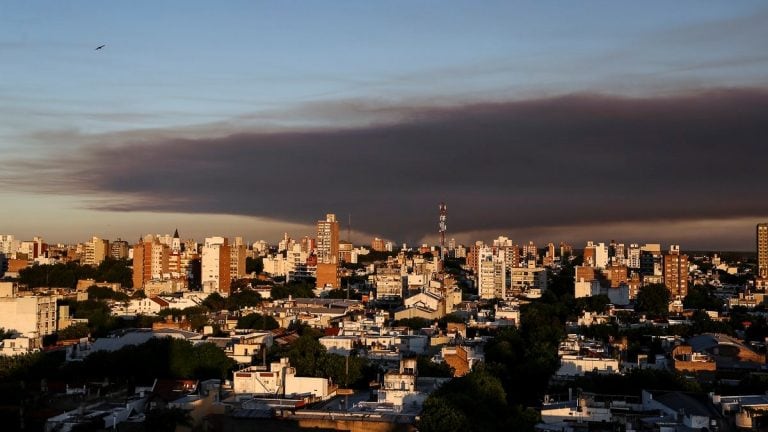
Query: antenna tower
point(442, 227)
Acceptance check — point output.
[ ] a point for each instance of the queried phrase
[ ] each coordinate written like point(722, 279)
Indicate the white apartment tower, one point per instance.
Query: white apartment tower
point(491, 274)
point(215, 266)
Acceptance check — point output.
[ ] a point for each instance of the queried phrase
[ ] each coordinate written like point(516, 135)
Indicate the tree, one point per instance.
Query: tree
point(428, 368)
point(244, 298)
point(474, 402)
point(167, 419)
point(75, 331)
point(415, 323)
point(257, 322)
point(215, 302)
point(295, 289)
point(254, 265)
point(702, 297)
point(439, 415)
point(96, 292)
point(653, 299)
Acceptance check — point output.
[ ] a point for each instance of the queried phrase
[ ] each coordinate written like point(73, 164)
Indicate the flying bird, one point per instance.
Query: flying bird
point(99, 47)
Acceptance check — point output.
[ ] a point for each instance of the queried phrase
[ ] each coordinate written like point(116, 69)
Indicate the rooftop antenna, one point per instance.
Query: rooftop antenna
point(349, 229)
point(442, 228)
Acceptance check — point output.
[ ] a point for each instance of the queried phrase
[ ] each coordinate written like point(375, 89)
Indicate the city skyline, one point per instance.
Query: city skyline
point(533, 122)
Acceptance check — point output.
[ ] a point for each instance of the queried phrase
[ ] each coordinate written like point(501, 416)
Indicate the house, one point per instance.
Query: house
point(19, 345)
point(80, 351)
point(690, 410)
point(748, 412)
point(280, 380)
point(727, 352)
point(577, 365)
point(399, 387)
point(685, 359)
point(341, 345)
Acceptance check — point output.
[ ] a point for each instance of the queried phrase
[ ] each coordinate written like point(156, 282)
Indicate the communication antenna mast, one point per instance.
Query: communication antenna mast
point(442, 227)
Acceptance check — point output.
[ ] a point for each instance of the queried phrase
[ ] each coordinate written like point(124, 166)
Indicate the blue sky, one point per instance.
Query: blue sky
point(207, 69)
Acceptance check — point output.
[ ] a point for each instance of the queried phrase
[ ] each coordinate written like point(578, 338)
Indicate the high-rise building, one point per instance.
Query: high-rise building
point(762, 250)
point(237, 255)
point(491, 274)
point(328, 240)
point(328, 252)
point(377, 244)
point(150, 261)
point(651, 260)
point(96, 251)
point(530, 252)
point(118, 249)
point(473, 255)
point(676, 272)
point(9, 245)
point(633, 256)
point(215, 266)
point(549, 256)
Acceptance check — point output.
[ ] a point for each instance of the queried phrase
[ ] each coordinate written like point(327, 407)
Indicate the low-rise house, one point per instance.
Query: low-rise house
point(19, 345)
point(507, 315)
point(461, 358)
point(577, 365)
point(399, 387)
point(727, 352)
point(690, 410)
point(748, 412)
point(84, 348)
point(98, 416)
point(280, 380)
point(342, 345)
point(685, 359)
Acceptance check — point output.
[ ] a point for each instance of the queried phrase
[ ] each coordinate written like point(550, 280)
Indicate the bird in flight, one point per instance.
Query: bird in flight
point(99, 47)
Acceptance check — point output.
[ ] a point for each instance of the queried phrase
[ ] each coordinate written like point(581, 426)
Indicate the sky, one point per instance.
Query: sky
point(543, 121)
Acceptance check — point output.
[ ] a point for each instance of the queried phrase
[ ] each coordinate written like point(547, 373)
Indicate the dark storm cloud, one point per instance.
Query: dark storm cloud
point(572, 160)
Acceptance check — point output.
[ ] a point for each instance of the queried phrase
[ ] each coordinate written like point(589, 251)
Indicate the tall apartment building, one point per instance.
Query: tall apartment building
point(549, 255)
point(95, 251)
point(651, 260)
point(118, 249)
point(31, 316)
point(633, 256)
point(530, 252)
point(377, 244)
point(491, 274)
point(9, 245)
point(676, 272)
point(510, 249)
point(473, 254)
point(762, 250)
point(215, 266)
point(237, 254)
point(328, 240)
point(150, 261)
point(596, 255)
point(327, 252)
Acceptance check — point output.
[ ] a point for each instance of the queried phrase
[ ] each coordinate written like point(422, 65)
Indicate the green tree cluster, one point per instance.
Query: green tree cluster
point(702, 297)
point(653, 299)
point(67, 275)
point(310, 358)
point(254, 265)
point(474, 402)
point(104, 293)
point(257, 321)
point(297, 289)
point(170, 358)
